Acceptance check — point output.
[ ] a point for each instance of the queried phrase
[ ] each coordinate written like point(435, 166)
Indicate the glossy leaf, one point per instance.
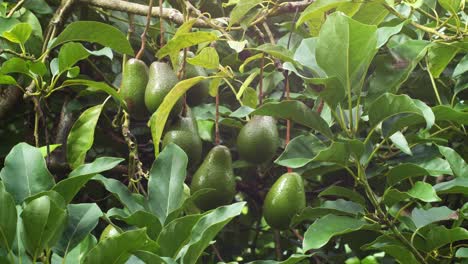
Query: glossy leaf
point(51, 149)
point(457, 185)
point(394, 248)
point(77, 254)
point(294, 258)
point(96, 32)
point(424, 192)
point(341, 152)
point(458, 165)
point(207, 58)
point(71, 53)
point(141, 219)
point(422, 217)
point(206, 229)
point(149, 257)
point(175, 234)
point(276, 51)
point(297, 112)
point(241, 9)
point(185, 40)
point(439, 236)
point(400, 142)
point(97, 87)
point(339, 191)
point(70, 186)
point(300, 151)
point(25, 172)
point(322, 230)
point(119, 248)
point(81, 136)
point(166, 181)
point(8, 219)
point(319, 7)
point(82, 219)
point(20, 33)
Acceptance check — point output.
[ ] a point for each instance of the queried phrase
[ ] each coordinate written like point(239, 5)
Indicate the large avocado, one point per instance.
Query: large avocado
point(161, 80)
point(258, 140)
point(132, 88)
point(284, 199)
point(215, 173)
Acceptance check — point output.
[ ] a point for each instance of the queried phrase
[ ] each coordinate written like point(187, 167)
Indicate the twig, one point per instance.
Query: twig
point(260, 88)
point(12, 52)
point(277, 245)
point(145, 31)
point(217, 139)
point(161, 25)
point(269, 33)
point(216, 251)
point(296, 233)
point(16, 7)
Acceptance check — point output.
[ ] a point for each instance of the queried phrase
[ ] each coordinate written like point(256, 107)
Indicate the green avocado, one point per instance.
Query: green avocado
point(284, 199)
point(258, 140)
point(215, 173)
point(198, 93)
point(132, 88)
point(161, 80)
point(185, 135)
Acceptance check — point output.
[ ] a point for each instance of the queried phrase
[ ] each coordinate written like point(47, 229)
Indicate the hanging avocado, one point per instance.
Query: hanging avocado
point(185, 135)
point(285, 199)
point(132, 88)
point(161, 80)
point(198, 93)
point(215, 173)
point(258, 140)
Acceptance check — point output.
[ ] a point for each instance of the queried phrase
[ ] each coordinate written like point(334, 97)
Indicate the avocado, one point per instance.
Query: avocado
point(215, 173)
point(258, 140)
point(284, 199)
point(198, 93)
point(161, 80)
point(185, 135)
point(132, 88)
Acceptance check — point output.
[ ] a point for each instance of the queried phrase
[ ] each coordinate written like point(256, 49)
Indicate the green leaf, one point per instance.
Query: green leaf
point(451, 5)
point(246, 84)
point(250, 98)
point(166, 182)
point(82, 219)
point(322, 230)
point(276, 51)
point(241, 9)
point(8, 219)
point(176, 234)
point(206, 229)
point(462, 252)
point(457, 185)
point(300, 151)
point(152, 258)
point(139, 219)
point(344, 206)
point(44, 220)
point(20, 33)
point(385, 33)
point(317, 8)
point(81, 136)
point(407, 170)
point(70, 54)
point(340, 152)
point(7, 80)
point(95, 32)
point(393, 70)
point(313, 213)
point(297, 112)
point(294, 258)
point(439, 56)
point(422, 217)
point(77, 254)
point(97, 87)
point(121, 192)
point(159, 118)
point(70, 186)
point(424, 192)
point(302, 55)
point(207, 58)
point(119, 248)
point(438, 236)
point(461, 67)
point(332, 91)
point(394, 248)
point(399, 140)
point(447, 113)
point(389, 105)
point(185, 40)
point(25, 172)
point(51, 149)
point(458, 165)
point(339, 191)
point(345, 49)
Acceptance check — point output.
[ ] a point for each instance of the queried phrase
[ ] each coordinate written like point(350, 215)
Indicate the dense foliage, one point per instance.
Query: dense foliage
point(247, 131)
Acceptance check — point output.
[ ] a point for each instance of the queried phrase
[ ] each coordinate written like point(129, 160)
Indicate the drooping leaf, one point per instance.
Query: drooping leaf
point(119, 248)
point(69, 187)
point(141, 219)
point(185, 40)
point(8, 219)
point(97, 87)
point(81, 136)
point(302, 55)
point(206, 229)
point(323, 229)
point(25, 172)
point(96, 32)
point(241, 9)
point(458, 165)
point(82, 219)
point(207, 58)
point(300, 151)
point(297, 112)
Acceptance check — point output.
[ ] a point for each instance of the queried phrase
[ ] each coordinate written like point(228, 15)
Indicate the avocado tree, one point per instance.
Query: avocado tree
point(240, 131)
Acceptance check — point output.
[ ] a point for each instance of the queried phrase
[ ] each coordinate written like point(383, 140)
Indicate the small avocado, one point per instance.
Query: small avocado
point(258, 140)
point(185, 135)
point(284, 199)
point(198, 93)
point(132, 88)
point(215, 173)
point(160, 82)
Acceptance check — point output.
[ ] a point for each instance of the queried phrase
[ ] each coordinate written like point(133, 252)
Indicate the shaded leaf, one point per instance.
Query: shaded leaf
point(185, 40)
point(422, 217)
point(339, 191)
point(8, 219)
point(207, 58)
point(139, 219)
point(300, 151)
point(458, 165)
point(294, 258)
point(394, 248)
point(121, 192)
point(241, 9)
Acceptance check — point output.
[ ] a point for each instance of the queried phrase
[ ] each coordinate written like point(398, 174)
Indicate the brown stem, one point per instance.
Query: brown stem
point(161, 25)
point(16, 7)
point(296, 233)
point(216, 251)
point(145, 31)
point(288, 122)
point(260, 88)
point(217, 139)
point(277, 245)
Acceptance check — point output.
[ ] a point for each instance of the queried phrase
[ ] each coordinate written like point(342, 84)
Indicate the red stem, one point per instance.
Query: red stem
point(143, 35)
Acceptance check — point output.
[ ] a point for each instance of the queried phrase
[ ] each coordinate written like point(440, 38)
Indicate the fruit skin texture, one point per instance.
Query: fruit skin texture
point(198, 93)
point(185, 135)
point(216, 173)
point(108, 232)
point(161, 80)
point(132, 89)
point(284, 199)
point(257, 141)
